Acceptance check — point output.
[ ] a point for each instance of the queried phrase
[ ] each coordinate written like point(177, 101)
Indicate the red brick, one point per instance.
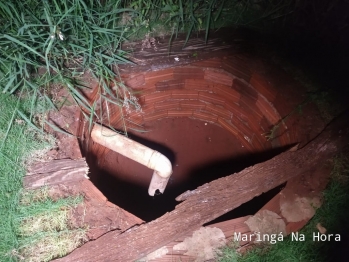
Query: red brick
point(184, 94)
point(245, 89)
point(188, 73)
point(167, 105)
point(218, 111)
point(258, 146)
point(229, 127)
point(135, 114)
point(263, 86)
point(135, 81)
point(108, 106)
point(139, 120)
point(141, 99)
point(236, 110)
point(249, 106)
point(193, 105)
point(125, 76)
point(169, 85)
point(254, 124)
point(237, 67)
point(156, 76)
point(227, 92)
point(242, 127)
point(157, 97)
point(293, 134)
point(147, 109)
point(283, 135)
point(248, 146)
point(197, 84)
point(141, 95)
point(265, 125)
point(211, 98)
point(180, 113)
point(155, 116)
point(268, 110)
point(218, 77)
point(145, 89)
point(205, 116)
point(114, 115)
point(132, 124)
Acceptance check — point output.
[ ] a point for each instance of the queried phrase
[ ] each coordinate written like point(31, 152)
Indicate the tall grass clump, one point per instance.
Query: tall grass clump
point(45, 41)
point(43, 226)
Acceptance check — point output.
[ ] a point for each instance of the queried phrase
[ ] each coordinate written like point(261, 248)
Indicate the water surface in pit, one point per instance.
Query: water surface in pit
point(199, 152)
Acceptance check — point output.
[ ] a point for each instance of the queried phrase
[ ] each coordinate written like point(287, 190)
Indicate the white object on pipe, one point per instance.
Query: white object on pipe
point(131, 149)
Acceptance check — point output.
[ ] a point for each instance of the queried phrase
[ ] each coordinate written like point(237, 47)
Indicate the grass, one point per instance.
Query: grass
point(59, 41)
point(29, 221)
point(43, 226)
point(332, 215)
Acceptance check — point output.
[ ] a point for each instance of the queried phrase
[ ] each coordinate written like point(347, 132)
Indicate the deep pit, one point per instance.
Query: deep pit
point(211, 119)
point(199, 152)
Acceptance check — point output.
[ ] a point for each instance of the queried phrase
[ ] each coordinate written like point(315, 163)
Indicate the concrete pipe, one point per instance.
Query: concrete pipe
point(146, 156)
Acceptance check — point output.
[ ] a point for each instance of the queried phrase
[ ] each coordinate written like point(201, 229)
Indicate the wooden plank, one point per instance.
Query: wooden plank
point(55, 172)
point(214, 199)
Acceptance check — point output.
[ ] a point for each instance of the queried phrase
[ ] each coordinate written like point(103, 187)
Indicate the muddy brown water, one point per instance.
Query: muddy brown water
point(199, 151)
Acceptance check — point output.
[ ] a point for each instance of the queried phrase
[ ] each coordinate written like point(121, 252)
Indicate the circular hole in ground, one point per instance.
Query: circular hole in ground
point(199, 152)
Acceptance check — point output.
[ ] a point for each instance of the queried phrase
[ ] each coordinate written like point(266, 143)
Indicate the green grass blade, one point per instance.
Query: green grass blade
point(16, 86)
point(24, 45)
point(47, 51)
point(219, 11)
point(10, 123)
point(208, 19)
point(90, 122)
point(188, 34)
point(9, 83)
